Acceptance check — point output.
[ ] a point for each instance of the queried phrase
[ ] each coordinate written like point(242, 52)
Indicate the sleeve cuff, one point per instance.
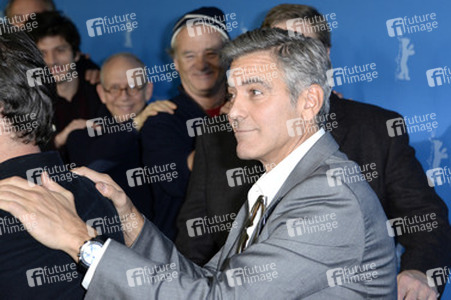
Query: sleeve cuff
point(92, 269)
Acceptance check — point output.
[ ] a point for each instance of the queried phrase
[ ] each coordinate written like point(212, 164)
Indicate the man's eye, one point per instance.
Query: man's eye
point(230, 96)
point(256, 92)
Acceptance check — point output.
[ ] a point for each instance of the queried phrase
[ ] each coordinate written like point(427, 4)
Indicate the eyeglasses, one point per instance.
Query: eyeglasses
point(258, 206)
point(131, 91)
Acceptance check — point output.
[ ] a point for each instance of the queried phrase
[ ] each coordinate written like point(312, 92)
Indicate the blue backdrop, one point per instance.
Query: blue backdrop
point(402, 39)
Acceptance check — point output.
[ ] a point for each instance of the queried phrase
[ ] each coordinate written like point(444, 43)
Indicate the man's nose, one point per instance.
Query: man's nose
point(201, 62)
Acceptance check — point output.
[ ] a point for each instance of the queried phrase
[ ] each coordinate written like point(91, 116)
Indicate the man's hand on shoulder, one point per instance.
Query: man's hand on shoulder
point(128, 213)
point(152, 110)
point(47, 212)
point(413, 285)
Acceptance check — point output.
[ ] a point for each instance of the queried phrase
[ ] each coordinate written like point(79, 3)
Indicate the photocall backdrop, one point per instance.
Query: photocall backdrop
point(398, 49)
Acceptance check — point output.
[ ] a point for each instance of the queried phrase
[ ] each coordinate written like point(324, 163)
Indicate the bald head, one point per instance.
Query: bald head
point(114, 90)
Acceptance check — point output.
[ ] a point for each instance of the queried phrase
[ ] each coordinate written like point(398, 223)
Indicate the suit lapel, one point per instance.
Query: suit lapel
point(231, 244)
point(316, 156)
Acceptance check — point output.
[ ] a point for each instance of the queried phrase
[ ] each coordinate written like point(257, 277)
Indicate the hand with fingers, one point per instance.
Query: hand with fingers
point(55, 223)
point(152, 110)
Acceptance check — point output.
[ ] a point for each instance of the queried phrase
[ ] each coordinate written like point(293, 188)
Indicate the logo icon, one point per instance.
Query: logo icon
point(335, 77)
point(95, 225)
point(135, 277)
point(296, 127)
point(395, 27)
point(95, 27)
point(195, 126)
point(295, 26)
point(136, 77)
point(35, 77)
point(235, 177)
point(34, 176)
point(435, 176)
point(94, 127)
point(335, 177)
point(335, 277)
point(396, 127)
point(235, 277)
point(195, 227)
point(294, 227)
point(35, 277)
point(435, 77)
point(395, 227)
point(195, 26)
point(437, 276)
point(235, 77)
point(135, 177)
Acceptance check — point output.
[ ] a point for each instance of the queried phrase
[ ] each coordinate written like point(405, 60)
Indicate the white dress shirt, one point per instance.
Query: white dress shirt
point(268, 185)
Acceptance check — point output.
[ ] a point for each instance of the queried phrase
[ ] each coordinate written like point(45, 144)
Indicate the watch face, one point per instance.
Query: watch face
point(90, 251)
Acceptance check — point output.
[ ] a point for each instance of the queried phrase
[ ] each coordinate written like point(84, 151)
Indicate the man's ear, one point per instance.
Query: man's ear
point(101, 93)
point(313, 98)
point(148, 91)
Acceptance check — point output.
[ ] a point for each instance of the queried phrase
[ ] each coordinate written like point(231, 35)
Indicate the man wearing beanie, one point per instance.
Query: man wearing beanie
point(168, 140)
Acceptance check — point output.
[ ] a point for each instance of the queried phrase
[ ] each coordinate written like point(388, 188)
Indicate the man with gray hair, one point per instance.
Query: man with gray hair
point(306, 232)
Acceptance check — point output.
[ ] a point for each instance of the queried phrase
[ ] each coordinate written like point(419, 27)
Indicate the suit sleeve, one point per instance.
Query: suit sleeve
point(409, 196)
point(196, 248)
point(288, 267)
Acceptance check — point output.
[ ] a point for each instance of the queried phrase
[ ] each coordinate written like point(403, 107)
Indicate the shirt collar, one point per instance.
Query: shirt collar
point(270, 182)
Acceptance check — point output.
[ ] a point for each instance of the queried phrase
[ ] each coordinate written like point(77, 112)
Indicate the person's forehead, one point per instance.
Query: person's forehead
point(116, 70)
point(52, 41)
point(205, 40)
point(20, 7)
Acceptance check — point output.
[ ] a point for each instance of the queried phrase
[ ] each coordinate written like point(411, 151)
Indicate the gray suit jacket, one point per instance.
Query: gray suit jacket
point(322, 237)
